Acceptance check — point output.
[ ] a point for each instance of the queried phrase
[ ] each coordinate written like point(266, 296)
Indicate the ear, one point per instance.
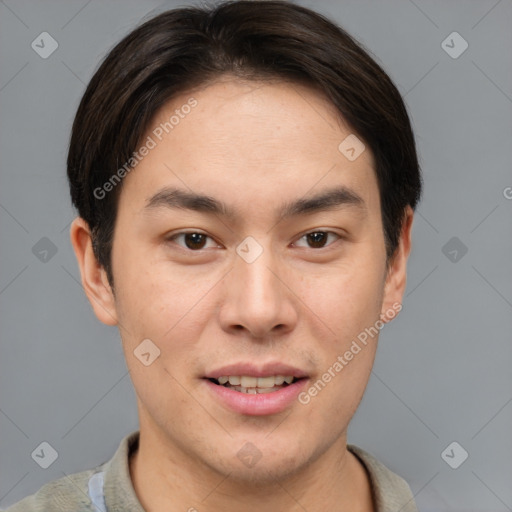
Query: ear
point(94, 277)
point(396, 278)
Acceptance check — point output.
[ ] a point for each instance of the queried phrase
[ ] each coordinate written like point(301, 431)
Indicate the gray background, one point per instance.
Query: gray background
point(442, 372)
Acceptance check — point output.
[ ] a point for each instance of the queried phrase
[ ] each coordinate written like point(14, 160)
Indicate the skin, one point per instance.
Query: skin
point(253, 146)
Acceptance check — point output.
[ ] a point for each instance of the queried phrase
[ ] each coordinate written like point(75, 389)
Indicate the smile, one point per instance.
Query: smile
point(254, 385)
point(254, 400)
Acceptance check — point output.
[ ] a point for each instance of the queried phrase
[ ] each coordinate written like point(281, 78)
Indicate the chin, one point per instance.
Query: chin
point(264, 474)
point(262, 462)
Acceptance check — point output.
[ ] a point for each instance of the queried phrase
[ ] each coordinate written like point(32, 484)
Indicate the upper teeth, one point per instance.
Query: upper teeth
point(255, 382)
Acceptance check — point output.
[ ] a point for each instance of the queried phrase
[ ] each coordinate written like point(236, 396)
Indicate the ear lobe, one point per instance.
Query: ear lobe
point(396, 279)
point(94, 277)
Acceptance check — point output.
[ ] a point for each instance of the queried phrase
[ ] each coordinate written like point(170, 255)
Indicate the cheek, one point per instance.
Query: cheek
point(168, 307)
point(153, 308)
point(144, 293)
point(164, 310)
point(348, 304)
point(347, 299)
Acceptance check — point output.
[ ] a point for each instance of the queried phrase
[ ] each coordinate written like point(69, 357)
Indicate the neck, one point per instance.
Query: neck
point(165, 478)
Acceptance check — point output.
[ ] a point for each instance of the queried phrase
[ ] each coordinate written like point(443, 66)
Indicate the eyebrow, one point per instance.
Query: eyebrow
point(327, 200)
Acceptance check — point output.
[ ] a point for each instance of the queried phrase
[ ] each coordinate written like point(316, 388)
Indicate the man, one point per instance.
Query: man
point(245, 178)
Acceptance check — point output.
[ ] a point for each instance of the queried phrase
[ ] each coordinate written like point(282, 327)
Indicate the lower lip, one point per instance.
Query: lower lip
point(258, 404)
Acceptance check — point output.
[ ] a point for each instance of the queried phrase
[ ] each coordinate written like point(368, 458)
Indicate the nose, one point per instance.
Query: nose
point(258, 297)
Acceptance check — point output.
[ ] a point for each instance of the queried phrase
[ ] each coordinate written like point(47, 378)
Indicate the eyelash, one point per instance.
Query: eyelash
point(182, 233)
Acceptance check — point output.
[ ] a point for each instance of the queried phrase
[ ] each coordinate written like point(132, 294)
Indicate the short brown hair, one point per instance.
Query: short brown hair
point(185, 48)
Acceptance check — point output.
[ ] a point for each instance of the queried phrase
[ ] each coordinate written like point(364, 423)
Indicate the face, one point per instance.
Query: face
point(278, 271)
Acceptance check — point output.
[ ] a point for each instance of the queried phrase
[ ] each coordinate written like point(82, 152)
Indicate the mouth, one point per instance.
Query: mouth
point(257, 390)
point(255, 385)
point(260, 395)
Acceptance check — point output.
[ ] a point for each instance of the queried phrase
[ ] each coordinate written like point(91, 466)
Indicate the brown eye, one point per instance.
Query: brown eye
point(195, 240)
point(192, 240)
point(318, 239)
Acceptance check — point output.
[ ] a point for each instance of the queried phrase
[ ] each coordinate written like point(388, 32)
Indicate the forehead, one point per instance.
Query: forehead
point(261, 140)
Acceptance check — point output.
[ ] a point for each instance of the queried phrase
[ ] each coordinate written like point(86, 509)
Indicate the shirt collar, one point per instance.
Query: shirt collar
point(391, 493)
